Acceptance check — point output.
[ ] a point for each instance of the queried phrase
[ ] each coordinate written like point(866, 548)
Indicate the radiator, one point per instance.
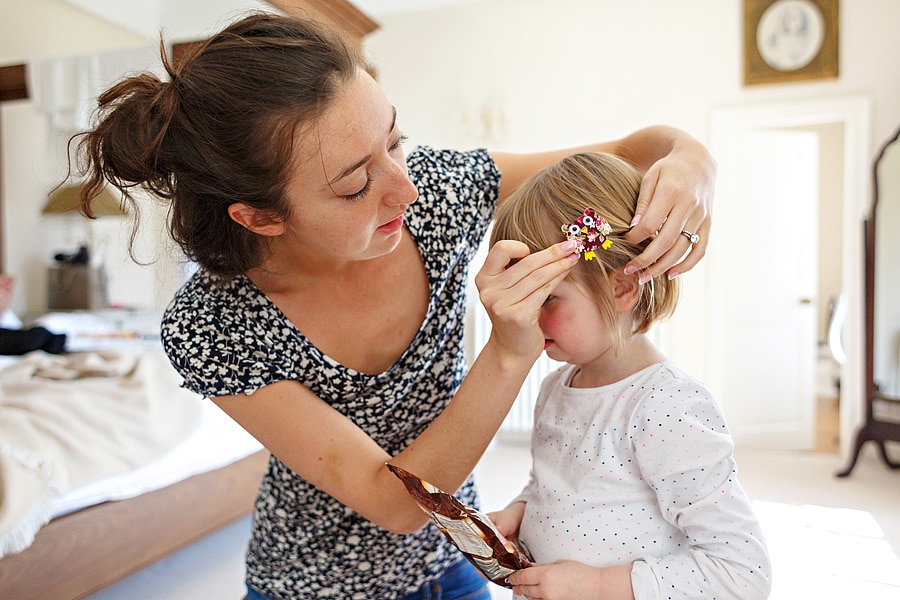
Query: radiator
point(517, 425)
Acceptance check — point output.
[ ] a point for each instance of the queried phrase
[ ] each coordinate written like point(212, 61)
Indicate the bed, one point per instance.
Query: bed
point(163, 468)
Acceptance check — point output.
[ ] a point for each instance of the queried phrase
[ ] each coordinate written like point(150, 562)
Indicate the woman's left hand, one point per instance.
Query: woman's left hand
point(675, 203)
point(675, 200)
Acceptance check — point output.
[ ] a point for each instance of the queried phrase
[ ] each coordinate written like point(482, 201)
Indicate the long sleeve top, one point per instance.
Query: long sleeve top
point(642, 472)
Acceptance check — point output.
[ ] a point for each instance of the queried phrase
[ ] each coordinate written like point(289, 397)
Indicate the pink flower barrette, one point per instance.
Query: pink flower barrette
point(589, 232)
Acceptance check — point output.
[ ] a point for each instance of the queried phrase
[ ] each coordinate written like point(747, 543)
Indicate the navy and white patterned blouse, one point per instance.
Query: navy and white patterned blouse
point(225, 337)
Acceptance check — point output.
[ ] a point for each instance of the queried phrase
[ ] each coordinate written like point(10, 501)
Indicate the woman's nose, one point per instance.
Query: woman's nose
point(402, 189)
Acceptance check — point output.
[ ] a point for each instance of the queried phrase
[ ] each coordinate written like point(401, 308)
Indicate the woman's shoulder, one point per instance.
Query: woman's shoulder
point(205, 292)
point(425, 156)
point(458, 192)
point(442, 167)
point(210, 304)
point(219, 332)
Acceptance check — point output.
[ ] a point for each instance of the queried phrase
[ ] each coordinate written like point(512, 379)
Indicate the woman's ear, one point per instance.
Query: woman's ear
point(626, 290)
point(258, 221)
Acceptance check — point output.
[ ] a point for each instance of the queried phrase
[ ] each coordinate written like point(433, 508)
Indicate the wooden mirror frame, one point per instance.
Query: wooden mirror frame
point(873, 429)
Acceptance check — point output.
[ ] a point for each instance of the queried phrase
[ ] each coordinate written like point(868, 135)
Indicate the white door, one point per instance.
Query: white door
point(764, 315)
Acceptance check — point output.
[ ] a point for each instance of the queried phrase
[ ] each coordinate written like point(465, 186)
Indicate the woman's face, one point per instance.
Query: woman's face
point(349, 187)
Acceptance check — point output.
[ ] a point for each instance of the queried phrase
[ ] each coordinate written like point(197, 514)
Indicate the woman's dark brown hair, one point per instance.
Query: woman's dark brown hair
point(219, 131)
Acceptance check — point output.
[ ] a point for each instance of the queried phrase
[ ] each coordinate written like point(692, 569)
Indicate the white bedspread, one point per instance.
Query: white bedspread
point(69, 420)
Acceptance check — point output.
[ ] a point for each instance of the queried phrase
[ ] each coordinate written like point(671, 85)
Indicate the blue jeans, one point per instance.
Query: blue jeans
point(460, 582)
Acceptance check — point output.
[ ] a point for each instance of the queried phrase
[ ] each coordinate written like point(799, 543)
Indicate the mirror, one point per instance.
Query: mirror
point(886, 341)
point(882, 309)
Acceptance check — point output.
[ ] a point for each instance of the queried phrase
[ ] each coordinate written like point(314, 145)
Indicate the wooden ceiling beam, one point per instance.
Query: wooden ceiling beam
point(339, 13)
point(13, 83)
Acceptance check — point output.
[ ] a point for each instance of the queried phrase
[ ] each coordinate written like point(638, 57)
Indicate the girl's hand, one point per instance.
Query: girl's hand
point(507, 521)
point(676, 196)
point(513, 286)
point(570, 580)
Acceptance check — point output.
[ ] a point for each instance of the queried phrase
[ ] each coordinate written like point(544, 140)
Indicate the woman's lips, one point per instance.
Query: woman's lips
point(392, 226)
point(547, 344)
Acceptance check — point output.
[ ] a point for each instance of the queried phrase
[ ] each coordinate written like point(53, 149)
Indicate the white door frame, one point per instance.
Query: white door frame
point(854, 114)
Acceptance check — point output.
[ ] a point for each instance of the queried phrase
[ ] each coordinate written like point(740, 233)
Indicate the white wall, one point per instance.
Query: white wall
point(571, 71)
point(558, 73)
point(37, 29)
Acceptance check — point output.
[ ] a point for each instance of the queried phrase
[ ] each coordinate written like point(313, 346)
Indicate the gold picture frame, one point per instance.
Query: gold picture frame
point(790, 40)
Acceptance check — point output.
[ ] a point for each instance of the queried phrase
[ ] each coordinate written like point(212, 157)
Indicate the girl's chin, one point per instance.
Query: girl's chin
point(553, 353)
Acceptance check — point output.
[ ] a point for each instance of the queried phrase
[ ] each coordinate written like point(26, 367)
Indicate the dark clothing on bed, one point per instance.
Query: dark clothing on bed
point(225, 337)
point(15, 342)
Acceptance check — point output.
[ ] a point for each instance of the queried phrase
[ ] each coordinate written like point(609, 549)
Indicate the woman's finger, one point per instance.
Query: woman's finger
point(510, 270)
point(674, 252)
point(499, 257)
point(514, 294)
point(671, 205)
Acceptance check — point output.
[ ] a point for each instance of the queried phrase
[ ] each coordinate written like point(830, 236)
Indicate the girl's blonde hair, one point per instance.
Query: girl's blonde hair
point(535, 213)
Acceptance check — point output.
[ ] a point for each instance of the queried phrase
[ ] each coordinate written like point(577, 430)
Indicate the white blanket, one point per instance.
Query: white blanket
point(69, 420)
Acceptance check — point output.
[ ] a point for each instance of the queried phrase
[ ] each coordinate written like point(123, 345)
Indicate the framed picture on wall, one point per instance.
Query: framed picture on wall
point(790, 40)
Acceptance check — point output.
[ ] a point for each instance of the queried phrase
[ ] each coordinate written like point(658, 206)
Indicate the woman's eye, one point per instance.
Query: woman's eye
point(361, 193)
point(399, 142)
point(549, 298)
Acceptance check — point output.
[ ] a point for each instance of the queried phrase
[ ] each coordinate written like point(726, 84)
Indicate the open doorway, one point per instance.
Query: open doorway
point(831, 301)
point(781, 262)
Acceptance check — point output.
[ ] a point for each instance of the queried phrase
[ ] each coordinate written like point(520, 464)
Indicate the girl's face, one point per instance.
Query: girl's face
point(349, 187)
point(574, 331)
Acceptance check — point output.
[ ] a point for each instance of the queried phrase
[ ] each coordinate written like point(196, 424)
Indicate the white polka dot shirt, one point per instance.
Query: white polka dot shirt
point(641, 472)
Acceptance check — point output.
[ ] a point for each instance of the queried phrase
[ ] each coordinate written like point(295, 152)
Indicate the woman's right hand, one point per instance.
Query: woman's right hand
point(513, 284)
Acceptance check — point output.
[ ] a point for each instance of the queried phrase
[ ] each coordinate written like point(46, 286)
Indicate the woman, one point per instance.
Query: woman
point(327, 314)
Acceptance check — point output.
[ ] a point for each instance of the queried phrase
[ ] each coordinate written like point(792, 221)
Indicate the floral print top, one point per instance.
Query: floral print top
point(225, 337)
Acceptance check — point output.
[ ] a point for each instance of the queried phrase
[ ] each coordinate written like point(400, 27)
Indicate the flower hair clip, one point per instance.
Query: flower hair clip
point(589, 232)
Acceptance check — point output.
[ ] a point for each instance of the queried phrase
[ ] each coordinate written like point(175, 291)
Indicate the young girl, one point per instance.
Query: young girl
point(633, 490)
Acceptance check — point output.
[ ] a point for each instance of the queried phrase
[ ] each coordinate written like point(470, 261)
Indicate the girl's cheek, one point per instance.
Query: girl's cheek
point(548, 320)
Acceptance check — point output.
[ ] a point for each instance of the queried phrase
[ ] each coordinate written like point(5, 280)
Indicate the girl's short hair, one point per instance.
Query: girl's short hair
point(220, 130)
point(536, 211)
